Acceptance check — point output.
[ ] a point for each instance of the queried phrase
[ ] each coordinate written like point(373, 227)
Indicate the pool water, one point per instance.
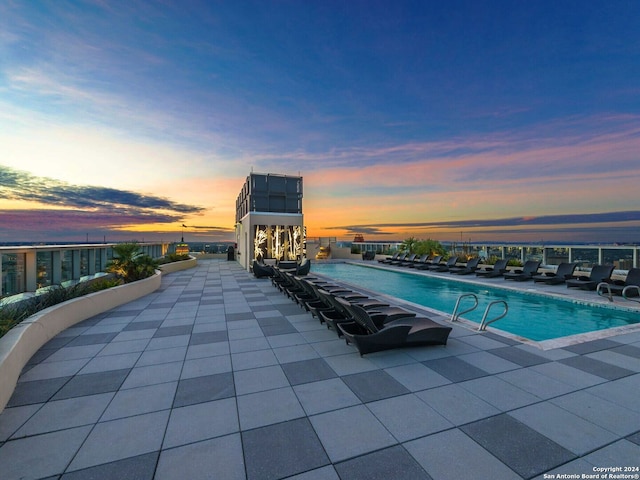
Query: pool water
point(533, 316)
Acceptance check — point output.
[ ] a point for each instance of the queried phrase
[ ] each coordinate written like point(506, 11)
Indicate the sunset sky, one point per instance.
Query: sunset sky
point(475, 120)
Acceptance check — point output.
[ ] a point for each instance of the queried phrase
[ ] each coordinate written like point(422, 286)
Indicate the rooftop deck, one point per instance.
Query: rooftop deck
point(218, 375)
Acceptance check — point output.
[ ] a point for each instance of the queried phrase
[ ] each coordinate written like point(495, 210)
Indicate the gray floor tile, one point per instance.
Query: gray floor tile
point(48, 370)
point(455, 369)
point(168, 342)
point(280, 328)
point(92, 383)
point(618, 359)
point(489, 363)
point(91, 339)
point(324, 396)
point(202, 421)
point(199, 367)
point(266, 408)
point(322, 473)
point(248, 345)
point(74, 353)
point(521, 448)
point(112, 441)
point(620, 454)
point(38, 391)
point(295, 353)
point(519, 356)
point(207, 350)
point(451, 455)
point(204, 389)
point(197, 461)
point(116, 348)
point(407, 417)
point(173, 331)
point(502, 395)
point(306, 371)
point(533, 382)
point(281, 450)
point(12, 418)
point(618, 392)
point(393, 463)
point(600, 411)
point(416, 377)
point(592, 346)
point(347, 364)
point(446, 400)
point(110, 363)
point(259, 379)
point(208, 337)
point(374, 385)
point(350, 432)
point(136, 401)
point(596, 367)
point(564, 428)
point(61, 414)
point(133, 468)
point(165, 355)
point(147, 324)
point(41, 455)
point(143, 376)
point(246, 360)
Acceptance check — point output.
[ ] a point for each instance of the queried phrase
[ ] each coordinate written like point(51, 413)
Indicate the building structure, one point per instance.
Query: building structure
point(269, 219)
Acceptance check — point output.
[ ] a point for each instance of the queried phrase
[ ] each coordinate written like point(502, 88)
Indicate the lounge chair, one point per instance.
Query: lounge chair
point(401, 258)
point(429, 263)
point(260, 270)
point(497, 270)
point(389, 259)
point(616, 287)
point(443, 267)
point(526, 273)
point(470, 267)
point(404, 332)
point(408, 260)
point(563, 272)
point(419, 261)
point(599, 273)
point(303, 267)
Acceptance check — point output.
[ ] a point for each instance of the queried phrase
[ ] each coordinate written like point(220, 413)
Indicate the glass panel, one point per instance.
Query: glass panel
point(98, 264)
point(513, 252)
point(13, 273)
point(555, 256)
point(586, 257)
point(84, 262)
point(67, 265)
point(620, 258)
point(533, 253)
point(44, 266)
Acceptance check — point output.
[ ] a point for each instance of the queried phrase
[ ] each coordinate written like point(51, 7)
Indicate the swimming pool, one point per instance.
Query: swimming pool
point(532, 316)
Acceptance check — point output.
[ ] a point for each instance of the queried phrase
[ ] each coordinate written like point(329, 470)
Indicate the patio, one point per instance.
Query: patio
point(217, 375)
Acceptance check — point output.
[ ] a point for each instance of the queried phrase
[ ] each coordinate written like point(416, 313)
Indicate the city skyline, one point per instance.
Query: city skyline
point(473, 121)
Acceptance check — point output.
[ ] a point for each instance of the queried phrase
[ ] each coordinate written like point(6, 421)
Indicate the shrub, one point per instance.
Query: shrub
point(130, 264)
point(173, 257)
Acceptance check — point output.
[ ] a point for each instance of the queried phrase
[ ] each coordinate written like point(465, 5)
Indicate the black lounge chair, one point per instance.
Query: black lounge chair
point(408, 260)
point(401, 258)
point(599, 273)
point(444, 267)
point(616, 287)
point(404, 332)
point(470, 267)
point(303, 267)
point(563, 272)
point(389, 259)
point(260, 270)
point(429, 263)
point(526, 273)
point(497, 270)
point(419, 261)
point(369, 255)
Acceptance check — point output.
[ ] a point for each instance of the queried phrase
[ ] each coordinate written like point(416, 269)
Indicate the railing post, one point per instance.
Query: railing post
point(56, 267)
point(31, 271)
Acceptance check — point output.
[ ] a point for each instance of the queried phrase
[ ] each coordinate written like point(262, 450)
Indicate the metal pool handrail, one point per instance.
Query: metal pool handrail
point(484, 322)
point(455, 315)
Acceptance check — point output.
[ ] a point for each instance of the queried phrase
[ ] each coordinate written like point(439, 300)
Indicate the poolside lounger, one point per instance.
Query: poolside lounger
point(443, 267)
point(404, 332)
point(599, 273)
point(565, 270)
point(408, 260)
point(419, 261)
point(401, 258)
point(527, 273)
point(429, 263)
point(261, 270)
point(497, 270)
point(390, 259)
point(470, 267)
point(617, 286)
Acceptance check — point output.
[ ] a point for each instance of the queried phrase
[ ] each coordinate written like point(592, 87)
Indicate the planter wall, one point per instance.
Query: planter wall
point(25, 339)
point(177, 266)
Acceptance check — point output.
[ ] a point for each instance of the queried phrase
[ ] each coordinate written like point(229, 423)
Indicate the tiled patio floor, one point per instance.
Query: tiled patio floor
point(219, 376)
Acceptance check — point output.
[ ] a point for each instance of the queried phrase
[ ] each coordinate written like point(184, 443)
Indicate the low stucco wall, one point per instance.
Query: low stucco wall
point(25, 339)
point(177, 266)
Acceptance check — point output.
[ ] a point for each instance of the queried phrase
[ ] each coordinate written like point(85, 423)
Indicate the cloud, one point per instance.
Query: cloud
point(23, 186)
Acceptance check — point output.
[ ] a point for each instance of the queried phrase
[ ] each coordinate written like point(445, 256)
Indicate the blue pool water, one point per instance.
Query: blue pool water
point(532, 316)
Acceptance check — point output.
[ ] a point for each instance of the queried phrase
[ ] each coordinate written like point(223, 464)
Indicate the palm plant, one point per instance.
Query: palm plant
point(130, 263)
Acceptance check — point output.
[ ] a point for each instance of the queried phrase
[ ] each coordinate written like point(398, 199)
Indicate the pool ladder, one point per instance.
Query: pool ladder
point(484, 322)
point(604, 290)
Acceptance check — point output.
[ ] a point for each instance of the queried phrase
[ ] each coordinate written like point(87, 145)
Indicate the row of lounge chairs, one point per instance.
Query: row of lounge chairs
point(564, 273)
point(368, 323)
